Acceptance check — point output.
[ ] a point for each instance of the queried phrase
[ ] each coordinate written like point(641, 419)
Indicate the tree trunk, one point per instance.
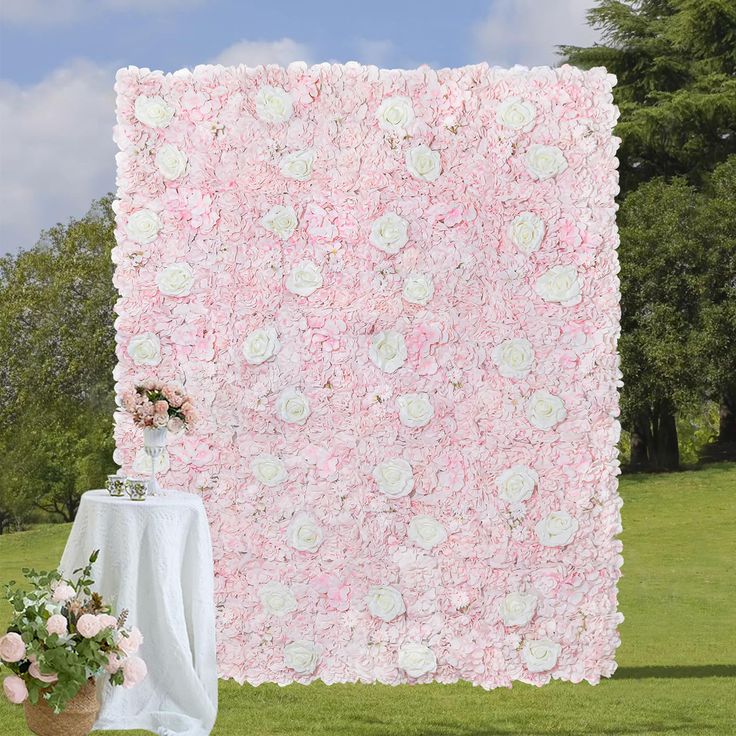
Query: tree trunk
point(666, 455)
point(727, 420)
point(641, 439)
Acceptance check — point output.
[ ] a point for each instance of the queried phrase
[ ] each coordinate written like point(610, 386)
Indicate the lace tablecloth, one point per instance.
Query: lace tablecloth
point(155, 560)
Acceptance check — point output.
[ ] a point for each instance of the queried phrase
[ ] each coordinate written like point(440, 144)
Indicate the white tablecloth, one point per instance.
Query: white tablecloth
point(155, 560)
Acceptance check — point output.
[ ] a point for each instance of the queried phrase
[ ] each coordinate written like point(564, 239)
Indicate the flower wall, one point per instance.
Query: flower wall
point(393, 299)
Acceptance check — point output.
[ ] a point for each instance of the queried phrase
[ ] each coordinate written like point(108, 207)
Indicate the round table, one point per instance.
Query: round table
point(156, 561)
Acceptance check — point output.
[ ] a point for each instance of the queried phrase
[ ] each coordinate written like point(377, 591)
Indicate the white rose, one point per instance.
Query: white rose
point(556, 529)
point(305, 278)
point(390, 233)
point(153, 111)
point(423, 163)
point(414, 409)
point(301, 656)
point(544, 410)
point(176, 279)
point(514, 358)
point(418, 288)
point(559, 284)
point(517, 483)
point(540, 655)
point(298, 165)
point(526, 232)
point(268, 470)
point(543, 162)
point(145, 349)
point(385, 602)
point(260, 345)
point(395, 113)
point(274, 104)
point(387, 351)
point(516, 113)
point(394, 477)
point(426, 531)
point(143, 226)
point(304, 534)
point(416, 659)
point(517, 609)
point(277, 599)
point(171, 162)
point(292, 406)
point(280, 220)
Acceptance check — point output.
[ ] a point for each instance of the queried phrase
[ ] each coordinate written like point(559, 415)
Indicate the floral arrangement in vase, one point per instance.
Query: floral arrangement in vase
point(61, 637)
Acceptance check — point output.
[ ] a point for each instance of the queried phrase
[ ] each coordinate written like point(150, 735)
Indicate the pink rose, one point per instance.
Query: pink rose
point(63, 592)
point(15, 689)
point(134, 670)
point(161, 407)
point(131, 644)
point(88, 625)
point(175, 425)
point(36, 674)
point(12, 648)
point(107, 621)
point(56, 624)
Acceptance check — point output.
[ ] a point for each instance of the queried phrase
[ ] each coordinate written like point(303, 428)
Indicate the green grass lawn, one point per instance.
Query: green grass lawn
point(677, 662)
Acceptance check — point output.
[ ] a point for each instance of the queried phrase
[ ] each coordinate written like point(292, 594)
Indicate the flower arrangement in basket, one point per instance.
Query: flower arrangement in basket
point(61, 637)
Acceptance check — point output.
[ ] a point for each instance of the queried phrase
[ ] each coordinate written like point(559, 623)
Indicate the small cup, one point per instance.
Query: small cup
point(116, 484)
point(136, 488)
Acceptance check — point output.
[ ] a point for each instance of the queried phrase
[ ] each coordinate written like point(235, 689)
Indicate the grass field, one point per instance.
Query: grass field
point(677, 663)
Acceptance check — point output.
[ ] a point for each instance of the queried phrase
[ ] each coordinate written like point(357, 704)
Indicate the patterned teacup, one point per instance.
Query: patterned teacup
point(136, 488)
point(115, 485)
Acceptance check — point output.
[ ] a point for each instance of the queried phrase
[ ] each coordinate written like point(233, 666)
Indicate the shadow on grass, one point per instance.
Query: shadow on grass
point(668, 672)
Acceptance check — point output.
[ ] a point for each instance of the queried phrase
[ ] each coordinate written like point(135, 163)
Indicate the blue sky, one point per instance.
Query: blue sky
point(58, 59)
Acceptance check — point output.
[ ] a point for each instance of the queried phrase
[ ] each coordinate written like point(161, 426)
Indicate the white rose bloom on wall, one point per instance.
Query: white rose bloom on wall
point(423, 163)
point(526, 232)
point(277, 599)
point(298, 165)
point(145, 349)
point(175, 280)
point(415, 410)
point(273, 104)
point(559, 284)
point(540, 655)
point(517, 483)
point(292, 406)
point(390, 233)
point(281, 220)
point(394, 477)
point(143, 226)
point(387, 351)
point(301, 656)
point(514, 358)
point(268, 469)
point(153, 111)
point(426, 532)
point(418, 288)
point(544, 162)
point(385, 602)
point(305, 278)
point(171, 162)
point(556, 529)
point(304, 534)
point(517, 609)
point(516, 113)
point(416, 659)
point(395, 113)
point(544, 410)
point(260, 345)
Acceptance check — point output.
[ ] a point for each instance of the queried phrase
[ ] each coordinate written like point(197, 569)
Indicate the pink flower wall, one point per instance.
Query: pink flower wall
point(393, 298)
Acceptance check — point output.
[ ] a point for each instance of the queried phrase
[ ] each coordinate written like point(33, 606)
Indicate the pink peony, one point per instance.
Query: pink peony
point(63, 592)
point(36, 674)
point(89, 625)
point(56, 624)
point(114, 663)
point(12, 648)
point(107, 621)
point(131, 644)
point(15, 689)
point(134, 671)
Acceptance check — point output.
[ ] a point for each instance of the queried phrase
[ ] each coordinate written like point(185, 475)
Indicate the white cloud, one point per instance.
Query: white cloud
point(253, 53)
point(378, 53)
point(527, 31)
point(46, 12)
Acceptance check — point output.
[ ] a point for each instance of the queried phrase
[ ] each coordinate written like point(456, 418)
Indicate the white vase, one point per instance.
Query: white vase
point(154, 444)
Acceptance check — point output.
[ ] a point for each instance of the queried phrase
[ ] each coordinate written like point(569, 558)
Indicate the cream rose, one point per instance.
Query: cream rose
point(414, 409)
point(176, 279)
point(517, 484)
point(517, 609)
point(390, 233)
point(556, 529)
point(145, 349)
point(394, 477)
point(171, 162)
point(268, 469)
point(292, 406)
point(143, 226)
point(304, 533)
point(260, 345)
point(418, 288)
point(273, 104)
point(277, 599)
point(153, 111)
point(423, 163)
point(545, 410)
point(526, 232)
point(395, 113)
point(298, 165)
point(385, 602)
point(281, 221)
point(416, 659)
point(426, 532)
point(559, 284)
point(301, 656)
point(514, 358)
point(516, 113)
point(387, 351)
point(544, 162)
point(305, 278)
point(540, 655)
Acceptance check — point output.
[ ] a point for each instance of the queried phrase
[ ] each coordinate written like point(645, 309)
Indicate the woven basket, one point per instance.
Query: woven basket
point(77, 718)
